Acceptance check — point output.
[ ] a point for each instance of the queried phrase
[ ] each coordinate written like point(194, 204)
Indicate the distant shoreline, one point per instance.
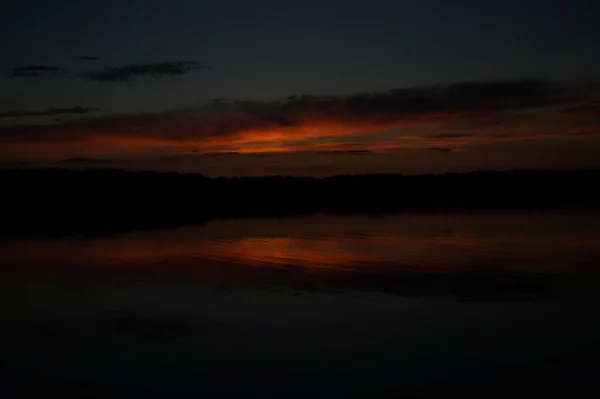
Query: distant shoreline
point(57, 202)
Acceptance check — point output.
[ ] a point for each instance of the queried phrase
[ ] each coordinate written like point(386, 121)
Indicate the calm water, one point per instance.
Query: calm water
point(431, 305)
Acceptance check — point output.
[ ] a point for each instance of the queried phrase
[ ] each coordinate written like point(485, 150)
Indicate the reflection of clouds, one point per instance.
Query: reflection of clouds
point(443, 256)
point(424, 241)
point(437, 253)
point(317, 252)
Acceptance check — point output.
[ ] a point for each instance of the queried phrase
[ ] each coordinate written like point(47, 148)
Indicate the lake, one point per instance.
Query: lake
point(406, 305)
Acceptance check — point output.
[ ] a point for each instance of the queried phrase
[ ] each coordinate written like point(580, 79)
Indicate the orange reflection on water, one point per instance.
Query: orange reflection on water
point(321, 252)
point(536, 242)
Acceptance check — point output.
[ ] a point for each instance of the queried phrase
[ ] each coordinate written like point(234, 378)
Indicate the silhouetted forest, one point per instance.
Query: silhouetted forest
point(62, 201)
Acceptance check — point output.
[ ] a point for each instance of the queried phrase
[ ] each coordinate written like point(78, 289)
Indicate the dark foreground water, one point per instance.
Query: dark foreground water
point(412, 305)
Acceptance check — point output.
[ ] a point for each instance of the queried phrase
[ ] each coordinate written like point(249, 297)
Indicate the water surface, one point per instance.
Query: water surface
point(427, 304)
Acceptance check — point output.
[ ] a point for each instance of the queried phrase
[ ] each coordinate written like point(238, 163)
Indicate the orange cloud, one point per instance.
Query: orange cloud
point(446, 117)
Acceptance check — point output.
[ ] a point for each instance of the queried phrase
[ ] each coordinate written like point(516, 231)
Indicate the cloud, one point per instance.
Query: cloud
point(427, 118)
point(135, 71)
point(350, 152)
point(75, 110)
point(219, 153)
point(112, 73)
point(449, 135)
point(439, 149)
point(85, 160)
point(36, 70)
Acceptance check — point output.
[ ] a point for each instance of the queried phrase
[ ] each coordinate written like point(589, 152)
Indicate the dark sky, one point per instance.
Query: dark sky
point(77, 65)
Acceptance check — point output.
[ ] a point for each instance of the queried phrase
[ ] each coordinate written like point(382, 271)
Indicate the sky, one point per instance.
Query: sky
point(234, 87)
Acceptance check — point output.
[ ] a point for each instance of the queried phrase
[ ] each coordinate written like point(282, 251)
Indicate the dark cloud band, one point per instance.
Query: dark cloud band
point(453, 115)
point(135, 71)
point(36, 70)
point(76, 110)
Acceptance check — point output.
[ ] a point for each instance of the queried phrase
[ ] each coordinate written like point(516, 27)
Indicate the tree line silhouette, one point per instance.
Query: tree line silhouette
point(55, 201)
